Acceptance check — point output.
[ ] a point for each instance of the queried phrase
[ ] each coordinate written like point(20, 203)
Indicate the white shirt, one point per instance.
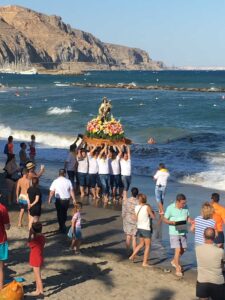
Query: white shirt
point(161, 177)
point(71, 162)
point(93, 165)
point(143, 218)
point(114, 166)
point(103, 166)
point(62, 187)
point(125, 167)
point(82, 165)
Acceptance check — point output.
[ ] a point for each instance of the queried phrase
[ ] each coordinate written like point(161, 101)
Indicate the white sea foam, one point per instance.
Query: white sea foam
point(62, 84)
point(209, 179)
point(213, 177)
point(45, 138)
point(59, 111)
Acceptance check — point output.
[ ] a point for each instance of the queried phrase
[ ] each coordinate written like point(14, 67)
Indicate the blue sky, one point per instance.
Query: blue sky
point(178, 32)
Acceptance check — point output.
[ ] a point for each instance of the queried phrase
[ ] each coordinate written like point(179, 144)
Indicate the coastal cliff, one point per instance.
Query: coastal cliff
point(29, 38)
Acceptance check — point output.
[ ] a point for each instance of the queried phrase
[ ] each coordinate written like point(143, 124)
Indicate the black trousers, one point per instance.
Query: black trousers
point(61, 208)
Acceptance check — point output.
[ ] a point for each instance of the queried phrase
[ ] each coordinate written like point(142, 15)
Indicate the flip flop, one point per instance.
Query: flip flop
point(173, 264)
point(179, 274)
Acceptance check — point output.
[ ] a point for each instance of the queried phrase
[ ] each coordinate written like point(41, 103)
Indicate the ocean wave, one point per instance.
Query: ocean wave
point(44, 138)
point(210, 179)
point(59, 111)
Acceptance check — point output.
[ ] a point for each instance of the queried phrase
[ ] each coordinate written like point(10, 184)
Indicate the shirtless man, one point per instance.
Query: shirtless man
point(23, 185)
point(22, 198)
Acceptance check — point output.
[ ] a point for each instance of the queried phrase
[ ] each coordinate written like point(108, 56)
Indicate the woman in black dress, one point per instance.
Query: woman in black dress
point(34, 194)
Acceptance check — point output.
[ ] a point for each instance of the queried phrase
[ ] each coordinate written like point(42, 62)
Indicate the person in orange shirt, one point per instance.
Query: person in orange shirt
point(9, 147)
point(219, 218)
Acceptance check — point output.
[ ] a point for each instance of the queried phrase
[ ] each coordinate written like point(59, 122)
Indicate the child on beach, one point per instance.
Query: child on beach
point(75, 229)
point(36, 242)
point(32, 148)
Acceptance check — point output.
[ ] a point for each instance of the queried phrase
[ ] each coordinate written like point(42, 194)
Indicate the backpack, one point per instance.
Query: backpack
point(6, 151)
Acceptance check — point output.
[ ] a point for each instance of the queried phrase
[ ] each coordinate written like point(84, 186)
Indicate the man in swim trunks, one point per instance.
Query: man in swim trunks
point(22, 198)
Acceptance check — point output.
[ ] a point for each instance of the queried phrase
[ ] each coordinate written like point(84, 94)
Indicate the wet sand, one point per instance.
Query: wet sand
point(103, 271)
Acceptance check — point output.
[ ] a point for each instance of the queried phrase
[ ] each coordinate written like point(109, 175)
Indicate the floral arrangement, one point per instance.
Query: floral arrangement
point(108, 129)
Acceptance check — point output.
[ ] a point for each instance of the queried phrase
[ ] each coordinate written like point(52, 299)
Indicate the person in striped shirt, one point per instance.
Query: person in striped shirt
point(205, 220)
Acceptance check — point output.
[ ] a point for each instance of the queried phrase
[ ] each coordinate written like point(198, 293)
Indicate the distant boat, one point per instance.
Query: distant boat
point(28, 72)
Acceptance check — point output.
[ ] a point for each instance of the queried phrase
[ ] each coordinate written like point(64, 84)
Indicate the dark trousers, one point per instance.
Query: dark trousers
point(71, 176)
point(61, 208)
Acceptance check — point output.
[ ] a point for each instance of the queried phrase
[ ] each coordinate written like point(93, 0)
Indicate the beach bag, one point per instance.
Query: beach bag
point(70, 234)
point(12, 291)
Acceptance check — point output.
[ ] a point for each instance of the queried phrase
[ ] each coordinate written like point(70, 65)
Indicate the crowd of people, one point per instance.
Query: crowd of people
point(104, 173)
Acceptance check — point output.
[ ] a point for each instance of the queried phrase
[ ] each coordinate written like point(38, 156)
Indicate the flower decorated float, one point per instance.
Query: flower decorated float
point(105, 129)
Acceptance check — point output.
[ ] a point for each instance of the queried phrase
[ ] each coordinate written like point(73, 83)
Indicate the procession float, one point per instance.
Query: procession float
point(104, 128)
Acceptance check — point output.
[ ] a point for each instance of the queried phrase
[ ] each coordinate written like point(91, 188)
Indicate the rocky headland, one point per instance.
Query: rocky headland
point(32, 39)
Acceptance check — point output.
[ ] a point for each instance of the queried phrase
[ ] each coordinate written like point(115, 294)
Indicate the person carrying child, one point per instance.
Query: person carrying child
point(36, 242)
point(75, 229)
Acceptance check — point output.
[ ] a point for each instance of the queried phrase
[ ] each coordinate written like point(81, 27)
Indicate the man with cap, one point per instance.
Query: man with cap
point(62, 189)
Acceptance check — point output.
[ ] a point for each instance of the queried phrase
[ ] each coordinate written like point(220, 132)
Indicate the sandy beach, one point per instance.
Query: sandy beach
point(103, 270)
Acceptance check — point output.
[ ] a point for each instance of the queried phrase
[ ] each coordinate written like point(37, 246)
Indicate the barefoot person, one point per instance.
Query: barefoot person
point(143, 213)
point(36, 242)
point(129, 218)
point(4, 225)
point(125, 165)
point(82, 170)
point(177, 212)
point(103, 171)
point(35, 199)
point(63, 191)
point(75, 229)
point(22, 198)
point(161, 177)
point(115, 173)
point(93, 180)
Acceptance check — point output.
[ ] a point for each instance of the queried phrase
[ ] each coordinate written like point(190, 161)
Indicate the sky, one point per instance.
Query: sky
point(177, 32)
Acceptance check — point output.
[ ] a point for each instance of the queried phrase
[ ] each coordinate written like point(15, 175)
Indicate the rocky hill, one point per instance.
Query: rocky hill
point(29, 38)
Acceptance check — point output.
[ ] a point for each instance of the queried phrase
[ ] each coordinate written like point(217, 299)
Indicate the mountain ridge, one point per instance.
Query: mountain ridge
point(31, 38)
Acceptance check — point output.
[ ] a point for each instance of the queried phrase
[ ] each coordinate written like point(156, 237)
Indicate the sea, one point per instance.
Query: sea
point(188, 126)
